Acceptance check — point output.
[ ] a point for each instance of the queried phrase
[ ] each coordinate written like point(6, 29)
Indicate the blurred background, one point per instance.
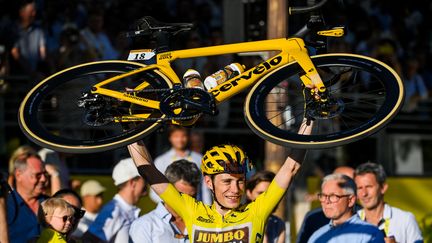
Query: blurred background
point(398, 34)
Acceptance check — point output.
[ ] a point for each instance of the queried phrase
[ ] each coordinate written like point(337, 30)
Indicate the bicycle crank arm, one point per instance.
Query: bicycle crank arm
point(186, 102)
point(204, 108)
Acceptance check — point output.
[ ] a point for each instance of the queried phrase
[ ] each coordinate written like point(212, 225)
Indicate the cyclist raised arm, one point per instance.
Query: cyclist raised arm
point(224, 168)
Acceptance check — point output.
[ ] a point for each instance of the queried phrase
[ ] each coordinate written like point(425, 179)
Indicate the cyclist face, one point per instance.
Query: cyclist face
point(335, 202)
point(369, 191)
point(229, 189)
point(179, 139)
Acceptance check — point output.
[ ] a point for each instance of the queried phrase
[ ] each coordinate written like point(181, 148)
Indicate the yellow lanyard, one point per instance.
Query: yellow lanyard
point(386, 222)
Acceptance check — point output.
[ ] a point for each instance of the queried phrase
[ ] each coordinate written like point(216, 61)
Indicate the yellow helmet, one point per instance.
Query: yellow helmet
point(225, 159)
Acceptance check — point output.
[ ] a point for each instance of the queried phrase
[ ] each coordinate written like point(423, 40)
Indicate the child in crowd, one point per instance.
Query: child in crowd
point(56, 217)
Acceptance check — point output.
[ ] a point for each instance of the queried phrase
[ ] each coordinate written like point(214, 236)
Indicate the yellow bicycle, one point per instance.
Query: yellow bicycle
point(107, 104)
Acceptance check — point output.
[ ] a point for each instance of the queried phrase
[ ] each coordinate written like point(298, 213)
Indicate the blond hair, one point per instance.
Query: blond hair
point(48, 207)
point(21, 151)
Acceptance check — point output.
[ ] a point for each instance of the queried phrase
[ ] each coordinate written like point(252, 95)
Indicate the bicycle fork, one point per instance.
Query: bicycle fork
point(311, 78)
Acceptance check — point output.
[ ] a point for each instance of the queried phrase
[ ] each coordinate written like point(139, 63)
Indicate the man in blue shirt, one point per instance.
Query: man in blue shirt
point(23, 202)
point(338, 197)
point(29, 50)
point(315, 218)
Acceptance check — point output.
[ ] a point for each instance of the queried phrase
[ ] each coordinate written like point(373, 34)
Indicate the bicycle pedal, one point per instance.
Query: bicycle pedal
point(334, 32)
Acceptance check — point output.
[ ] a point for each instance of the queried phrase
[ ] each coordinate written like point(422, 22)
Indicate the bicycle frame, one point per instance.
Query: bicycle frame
point(360, 94)
point(291, 49)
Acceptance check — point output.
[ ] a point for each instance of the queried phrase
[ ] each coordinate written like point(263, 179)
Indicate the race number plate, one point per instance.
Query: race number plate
point(141, 55)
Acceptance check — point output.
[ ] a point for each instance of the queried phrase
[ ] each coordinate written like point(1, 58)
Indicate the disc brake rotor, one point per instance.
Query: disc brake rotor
point(326, 110)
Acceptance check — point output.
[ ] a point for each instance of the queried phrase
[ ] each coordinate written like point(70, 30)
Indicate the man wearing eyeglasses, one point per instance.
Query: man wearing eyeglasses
point(338, 197)
point(315, 218)
point(163, 224)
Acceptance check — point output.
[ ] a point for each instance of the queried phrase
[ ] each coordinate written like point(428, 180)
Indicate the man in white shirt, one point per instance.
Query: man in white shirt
point(179, 139)
point(113, 221)
point(163, 224)
point(397, 225)
point(92, 196)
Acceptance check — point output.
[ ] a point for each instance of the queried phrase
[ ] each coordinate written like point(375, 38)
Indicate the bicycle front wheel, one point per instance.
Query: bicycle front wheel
point(364, 94)
point(51, 115)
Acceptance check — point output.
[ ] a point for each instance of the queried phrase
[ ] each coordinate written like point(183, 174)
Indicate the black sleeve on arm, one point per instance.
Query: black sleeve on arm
point(298, 155)
point(152, 174)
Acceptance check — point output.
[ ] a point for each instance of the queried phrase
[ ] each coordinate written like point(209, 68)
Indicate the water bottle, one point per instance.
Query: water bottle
point(192, 79)
point(223, 75)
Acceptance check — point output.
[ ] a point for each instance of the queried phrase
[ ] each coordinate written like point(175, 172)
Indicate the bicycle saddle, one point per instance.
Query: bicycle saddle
point(148, 25)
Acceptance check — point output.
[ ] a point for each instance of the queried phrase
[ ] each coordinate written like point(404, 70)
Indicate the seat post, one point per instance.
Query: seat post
point(162, 40)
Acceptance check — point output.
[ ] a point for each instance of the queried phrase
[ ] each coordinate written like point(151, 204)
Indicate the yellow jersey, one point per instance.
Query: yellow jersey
point(51, 236)
point(244, 224)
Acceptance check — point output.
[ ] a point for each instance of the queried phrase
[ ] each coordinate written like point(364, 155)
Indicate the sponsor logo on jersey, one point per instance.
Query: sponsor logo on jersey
point(202, 219)
point(233, 235)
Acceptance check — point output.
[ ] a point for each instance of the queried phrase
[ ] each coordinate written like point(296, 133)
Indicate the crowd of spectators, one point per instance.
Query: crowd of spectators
point(397, 34)
point(38, 38)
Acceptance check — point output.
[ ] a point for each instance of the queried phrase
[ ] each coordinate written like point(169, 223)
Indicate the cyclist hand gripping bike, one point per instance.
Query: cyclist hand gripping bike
point(103, 105)
point(224, 168)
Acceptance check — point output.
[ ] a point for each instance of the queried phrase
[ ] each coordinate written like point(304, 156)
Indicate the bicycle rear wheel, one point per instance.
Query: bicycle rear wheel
point(364, 95)
point(50, 115)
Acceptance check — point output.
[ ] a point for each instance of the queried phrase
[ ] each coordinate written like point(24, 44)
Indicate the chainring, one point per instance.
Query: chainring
point(186, 102)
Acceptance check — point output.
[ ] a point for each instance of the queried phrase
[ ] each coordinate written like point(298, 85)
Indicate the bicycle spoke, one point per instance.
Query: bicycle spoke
point(80, 116)
point(358, 98)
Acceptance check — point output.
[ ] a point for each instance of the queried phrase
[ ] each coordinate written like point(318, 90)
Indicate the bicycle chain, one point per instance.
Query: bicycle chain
point(165, 118)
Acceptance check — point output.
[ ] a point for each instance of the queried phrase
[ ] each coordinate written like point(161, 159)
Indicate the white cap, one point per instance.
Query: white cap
point(91, 188)
point(124, 170)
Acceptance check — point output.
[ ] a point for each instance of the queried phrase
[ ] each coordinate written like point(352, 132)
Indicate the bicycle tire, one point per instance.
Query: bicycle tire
point(366, 95)
point(50, 117)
